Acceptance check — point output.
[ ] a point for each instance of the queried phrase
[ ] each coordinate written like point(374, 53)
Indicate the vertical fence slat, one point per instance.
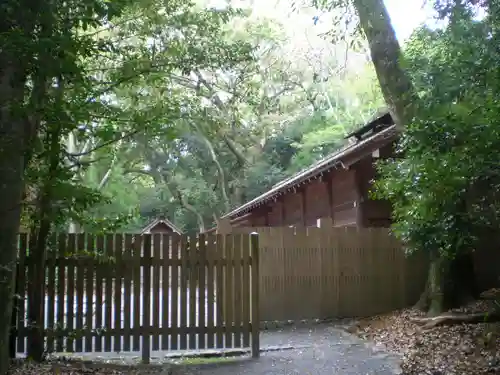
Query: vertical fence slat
point(228, 292)
point(70, 299)
point(220, 304)
point(118, 247)
point(183, 291)
point(127, 291)
point(137, 253)
point(146, 301)
point(80, 269)
point(89, 292)
point(100, 250)
point(237, 239)
point(211, 255)
point(21, 290)
point(61, 287)
point(108, 292)
point(245, 250)
point(165, 289)
point(255, 296)
point(174, 318)
point(193, 268)
point(202, 290)
point(156, 289)
point(51, 292)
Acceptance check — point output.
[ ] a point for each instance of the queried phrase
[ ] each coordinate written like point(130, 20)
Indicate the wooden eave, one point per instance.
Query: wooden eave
point(343, 158)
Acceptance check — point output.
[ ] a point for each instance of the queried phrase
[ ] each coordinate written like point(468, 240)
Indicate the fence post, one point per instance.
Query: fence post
point(146, 300)
point(223, 227)
point(14, 329)
point(254, 246)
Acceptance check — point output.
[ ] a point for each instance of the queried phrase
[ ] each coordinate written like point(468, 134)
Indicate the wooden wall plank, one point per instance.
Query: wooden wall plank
point(157, 261)
point(99, 296)
point(127, 291)
point(70, 299)
point(137, 287)
point(89, 291)
point(202, 290)
point(108, 291)
point(211, 255)
point(61, 290)
point(174, 271)
point(79, 291)
point(117, 300)
point(165, 288)
point(146, 300)
point(237, 282)
point(219, 289)
point(255, 296)
point(184, 271)
point(228, 291)
point(245, 293)
point(192, 289)
point(51, 291)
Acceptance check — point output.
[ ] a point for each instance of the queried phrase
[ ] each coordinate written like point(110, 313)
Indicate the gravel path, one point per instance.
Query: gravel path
point(319, 350)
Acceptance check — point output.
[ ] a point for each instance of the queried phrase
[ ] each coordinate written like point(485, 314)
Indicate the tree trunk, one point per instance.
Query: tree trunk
point(36, 285)
point(12, 163)
point(385, 53)
point(439, 300)
point(450, 283)
point(42, 224)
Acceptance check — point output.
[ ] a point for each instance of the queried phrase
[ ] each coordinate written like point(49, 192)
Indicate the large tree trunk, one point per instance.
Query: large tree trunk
point(385, 53)
point(450, 282)
point(12, 163)
point(42, 224)
point(36, 284)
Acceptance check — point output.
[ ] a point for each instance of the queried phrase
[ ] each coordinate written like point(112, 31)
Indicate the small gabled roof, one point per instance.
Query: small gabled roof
point(160, 220)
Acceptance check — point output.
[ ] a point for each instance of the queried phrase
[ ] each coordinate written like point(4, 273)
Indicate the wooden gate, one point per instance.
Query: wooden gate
point(130, 293)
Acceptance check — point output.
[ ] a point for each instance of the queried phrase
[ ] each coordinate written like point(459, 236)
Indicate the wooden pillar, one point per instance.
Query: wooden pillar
point(358, 181)
point(283, 211)
point(303, 195)
point(223, 228)
point(329, 187)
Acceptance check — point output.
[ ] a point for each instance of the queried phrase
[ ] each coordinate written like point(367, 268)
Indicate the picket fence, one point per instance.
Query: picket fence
point(143, 293)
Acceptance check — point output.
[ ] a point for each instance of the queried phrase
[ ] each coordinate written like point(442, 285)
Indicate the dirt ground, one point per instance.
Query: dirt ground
point(462, 349)
point(80, 368)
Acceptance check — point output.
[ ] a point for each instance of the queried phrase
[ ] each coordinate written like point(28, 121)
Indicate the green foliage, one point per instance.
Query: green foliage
point(171, 108)
point(444, 190)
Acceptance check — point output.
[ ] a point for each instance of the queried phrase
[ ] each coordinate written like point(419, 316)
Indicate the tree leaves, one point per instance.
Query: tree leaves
point(444, 190)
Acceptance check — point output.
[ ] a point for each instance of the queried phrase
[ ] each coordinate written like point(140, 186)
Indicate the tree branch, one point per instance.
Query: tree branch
point(451, 319)
point(104, 144)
